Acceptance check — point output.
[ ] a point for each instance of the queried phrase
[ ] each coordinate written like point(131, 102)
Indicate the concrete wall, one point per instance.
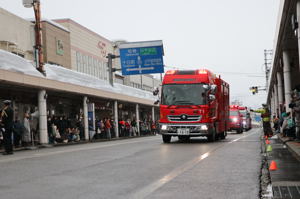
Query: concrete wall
point(16, 34)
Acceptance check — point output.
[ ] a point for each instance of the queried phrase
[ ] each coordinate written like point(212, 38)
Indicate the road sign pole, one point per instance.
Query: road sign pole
point(141, 82)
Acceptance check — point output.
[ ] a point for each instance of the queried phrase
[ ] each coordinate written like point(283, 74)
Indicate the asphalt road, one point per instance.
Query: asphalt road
point(137, 168)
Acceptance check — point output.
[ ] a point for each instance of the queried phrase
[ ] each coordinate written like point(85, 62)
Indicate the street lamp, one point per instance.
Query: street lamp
point(38, 33)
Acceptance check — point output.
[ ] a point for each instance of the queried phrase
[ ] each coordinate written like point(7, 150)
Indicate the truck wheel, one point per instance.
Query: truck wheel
point(223, 135)
point(166, 138)
point(212, 137)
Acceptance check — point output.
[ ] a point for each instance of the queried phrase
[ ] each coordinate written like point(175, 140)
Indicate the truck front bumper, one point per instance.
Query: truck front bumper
point(191, 130)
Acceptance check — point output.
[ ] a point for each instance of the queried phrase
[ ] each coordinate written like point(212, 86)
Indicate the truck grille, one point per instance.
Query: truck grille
point(184, 118)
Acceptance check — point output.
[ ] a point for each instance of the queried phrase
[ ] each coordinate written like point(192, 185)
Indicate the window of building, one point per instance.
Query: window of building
point(78, 61)
point(16, 53)
point(84, 63)
point(90, 64)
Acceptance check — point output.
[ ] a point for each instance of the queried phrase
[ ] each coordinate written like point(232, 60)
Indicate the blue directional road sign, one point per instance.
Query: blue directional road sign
point(141, 57)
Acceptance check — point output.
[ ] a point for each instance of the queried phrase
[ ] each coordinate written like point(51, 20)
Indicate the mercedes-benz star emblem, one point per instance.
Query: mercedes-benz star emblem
point(183, 117)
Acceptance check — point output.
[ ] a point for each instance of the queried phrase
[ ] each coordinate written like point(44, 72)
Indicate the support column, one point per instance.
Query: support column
point(137, 112)
point(276, 100)
point(153, 114)
point(298, 30)
point(287, 80)
point(274, 104)
point(85, 118)
point(280, 91)
point(42, 105)
point(116, 119)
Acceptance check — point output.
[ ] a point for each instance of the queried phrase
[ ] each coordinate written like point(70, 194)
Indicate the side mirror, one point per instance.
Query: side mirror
point(155, 92)
point(212, 97)
point(156, 102)
point(213, 88)
point(205, 86)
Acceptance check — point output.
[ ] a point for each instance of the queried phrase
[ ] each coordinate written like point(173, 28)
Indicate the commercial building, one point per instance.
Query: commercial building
point(76, 82)
point(285, 71)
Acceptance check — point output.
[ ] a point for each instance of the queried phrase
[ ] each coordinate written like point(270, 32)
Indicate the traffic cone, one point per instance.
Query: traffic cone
point(269, 148)
point(273, 166)
point(267, 142)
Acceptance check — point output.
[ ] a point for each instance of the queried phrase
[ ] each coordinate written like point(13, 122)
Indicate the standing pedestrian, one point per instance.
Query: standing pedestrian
point(107, 128)
point(265, 114)
point(134, 128)
point(6, 120)
point(26, 138)
point(18, 130)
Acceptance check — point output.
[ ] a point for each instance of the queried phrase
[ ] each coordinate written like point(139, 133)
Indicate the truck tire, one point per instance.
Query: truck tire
point(212, 137)
point(239, 131)
point(166, 138)
point(223, 135)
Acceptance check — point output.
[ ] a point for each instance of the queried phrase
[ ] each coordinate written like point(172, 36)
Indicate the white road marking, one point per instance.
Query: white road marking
point(146, 191)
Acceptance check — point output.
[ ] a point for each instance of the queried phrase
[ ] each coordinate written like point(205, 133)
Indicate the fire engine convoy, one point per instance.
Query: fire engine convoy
point(193, 103)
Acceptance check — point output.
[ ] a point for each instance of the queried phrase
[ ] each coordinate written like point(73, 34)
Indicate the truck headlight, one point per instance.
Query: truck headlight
point(244, 122)
point(203, 127)
point(235, 119)
point(164, 127)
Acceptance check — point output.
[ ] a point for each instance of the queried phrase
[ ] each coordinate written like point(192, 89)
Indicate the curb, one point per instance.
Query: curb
point(264, 178)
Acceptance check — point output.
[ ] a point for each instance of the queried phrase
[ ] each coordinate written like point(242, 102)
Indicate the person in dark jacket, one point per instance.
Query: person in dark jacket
point(6, 123)
point(18, 130)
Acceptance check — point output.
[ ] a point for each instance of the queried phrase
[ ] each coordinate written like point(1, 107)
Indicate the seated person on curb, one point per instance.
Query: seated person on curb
point(288, 126)
point(73, 135)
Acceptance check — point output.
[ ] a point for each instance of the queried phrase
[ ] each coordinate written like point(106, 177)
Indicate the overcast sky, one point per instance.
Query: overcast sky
point(226, 36)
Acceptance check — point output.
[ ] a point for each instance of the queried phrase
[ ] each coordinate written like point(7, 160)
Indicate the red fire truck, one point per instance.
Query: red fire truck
point(236, 119)
point(193, 103)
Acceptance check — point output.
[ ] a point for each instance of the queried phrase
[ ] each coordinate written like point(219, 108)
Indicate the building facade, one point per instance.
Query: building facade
point(56, 44)
point(88, 49)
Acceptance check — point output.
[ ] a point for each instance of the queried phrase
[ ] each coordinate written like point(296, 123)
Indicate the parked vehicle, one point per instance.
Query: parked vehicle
point(236, 119)
point(246, 120)
point(193, 103)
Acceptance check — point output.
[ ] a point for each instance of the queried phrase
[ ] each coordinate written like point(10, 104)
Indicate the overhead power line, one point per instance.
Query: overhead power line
point(223, 72)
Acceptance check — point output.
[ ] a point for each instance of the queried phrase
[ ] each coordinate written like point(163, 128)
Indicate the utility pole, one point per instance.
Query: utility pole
point(39, 57)
point(268, 56)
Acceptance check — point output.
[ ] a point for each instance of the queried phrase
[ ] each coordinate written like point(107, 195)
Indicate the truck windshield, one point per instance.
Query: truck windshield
point(183, 94)
point(234, 113)
point(244, 113)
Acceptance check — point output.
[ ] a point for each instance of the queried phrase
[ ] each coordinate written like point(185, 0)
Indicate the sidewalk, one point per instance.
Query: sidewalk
point(285, 179)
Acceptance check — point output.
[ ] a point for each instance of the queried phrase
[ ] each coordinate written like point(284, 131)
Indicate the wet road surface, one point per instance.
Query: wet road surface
point(137, 168)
